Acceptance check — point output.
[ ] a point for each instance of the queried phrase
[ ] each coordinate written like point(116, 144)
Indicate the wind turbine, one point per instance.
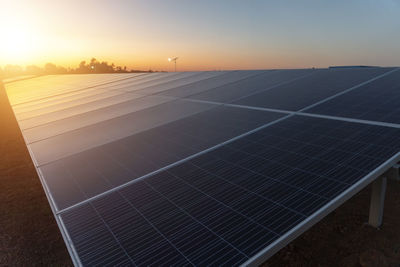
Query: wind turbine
point(174, 60)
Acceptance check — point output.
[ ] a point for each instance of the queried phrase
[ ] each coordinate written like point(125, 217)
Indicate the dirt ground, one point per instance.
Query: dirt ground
point(29, 235)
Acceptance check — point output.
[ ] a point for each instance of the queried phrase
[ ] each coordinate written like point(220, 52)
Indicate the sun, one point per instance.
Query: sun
point(16, 43)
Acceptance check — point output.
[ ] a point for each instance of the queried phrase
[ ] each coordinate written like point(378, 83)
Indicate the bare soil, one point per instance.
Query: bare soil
point(29, 235)
point(344, 239)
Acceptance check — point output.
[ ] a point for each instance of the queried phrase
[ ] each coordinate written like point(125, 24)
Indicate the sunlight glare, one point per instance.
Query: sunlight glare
point(18, 41)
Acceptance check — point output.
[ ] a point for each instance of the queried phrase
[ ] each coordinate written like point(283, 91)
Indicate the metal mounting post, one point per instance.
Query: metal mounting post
point(377, 201)
point(393, 173)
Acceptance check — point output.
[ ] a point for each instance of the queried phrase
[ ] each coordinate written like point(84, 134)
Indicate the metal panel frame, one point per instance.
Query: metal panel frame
point(67, 239)
point(296, 231)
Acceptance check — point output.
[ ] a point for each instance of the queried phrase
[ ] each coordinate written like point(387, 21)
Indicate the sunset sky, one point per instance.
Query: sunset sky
point(206, 35)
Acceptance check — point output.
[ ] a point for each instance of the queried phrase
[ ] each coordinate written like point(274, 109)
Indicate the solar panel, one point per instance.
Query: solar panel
point(179, 82)
point(124, 160)
point(211, 83)
point(72, 142)
point(224, 206)
point(304, 92)
point(164, 78)
point(61, 110)
point(203, 168)
point(377, 101)
point(49, 125)
point(251, 85)
point(56, 85)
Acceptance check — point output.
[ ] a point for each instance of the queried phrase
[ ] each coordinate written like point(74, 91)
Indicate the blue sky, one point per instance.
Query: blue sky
point(216, 34)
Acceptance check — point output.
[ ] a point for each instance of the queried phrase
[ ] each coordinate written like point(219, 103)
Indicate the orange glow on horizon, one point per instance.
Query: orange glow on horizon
point(205, 35)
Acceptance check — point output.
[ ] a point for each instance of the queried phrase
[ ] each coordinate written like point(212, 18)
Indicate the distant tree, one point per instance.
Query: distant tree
point(94, 66)
point(33, 70)
point(50, 68)
point(82, 68)
point(12, 70)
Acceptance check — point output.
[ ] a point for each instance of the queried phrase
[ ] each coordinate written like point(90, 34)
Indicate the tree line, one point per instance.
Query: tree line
point(93, 66)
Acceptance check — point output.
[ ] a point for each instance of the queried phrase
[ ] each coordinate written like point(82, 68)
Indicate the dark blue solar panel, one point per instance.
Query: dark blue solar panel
point(311, 89)
point(211, 83)
point(249, 86)
point(86, 174)
point(376, 101)
point(224, 206)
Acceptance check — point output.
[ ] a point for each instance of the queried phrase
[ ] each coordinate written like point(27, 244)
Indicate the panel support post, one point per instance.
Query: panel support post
point(393, 173)
point(377, 201)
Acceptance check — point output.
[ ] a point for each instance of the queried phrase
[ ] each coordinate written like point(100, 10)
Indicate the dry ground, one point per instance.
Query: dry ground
point(29, 235)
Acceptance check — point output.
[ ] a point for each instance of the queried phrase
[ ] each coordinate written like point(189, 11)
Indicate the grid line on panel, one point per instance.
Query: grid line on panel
point(76, 90)
point(90, 111)
point(249, 169)
point(305, 144)
point(305, 92)
point(300, 228)
point(114, 113)
point(167, 78)
point(349, 90)
point(152, 145)
point(214, 83)
point(166, 184)
point(154, 227)
point(115, 238)
point(190, 111)
point(301, 113)
point(224, 226)
point(197, 190)
point(286, 165)
point(183, 81)
point(258, 91)
point(235, 185)
point(276, 85)
point(227, 83)
point(377, 101)
point(172, 165)
point(139, 97)
point(181, 161)
point(366, 146)
point(194, 155)
point(82, 105)
point(196, 220)
point(62, 100)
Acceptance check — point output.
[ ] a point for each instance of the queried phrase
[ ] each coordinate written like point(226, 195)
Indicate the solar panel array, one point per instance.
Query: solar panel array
point(203, 168)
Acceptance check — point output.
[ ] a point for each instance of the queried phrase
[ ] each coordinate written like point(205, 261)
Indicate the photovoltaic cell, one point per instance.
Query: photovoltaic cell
point(43, 129)
point(304, 92)
point(73, 142)
point(376, 101)
point(76, 97)
point(226, 205)
point(34, 105)
point(198, 77)
point(150, 180)
point(164, 78)
point(41, 88)
point(66, 109)
point(245, 87)
point(211, 83)
point(86, 174)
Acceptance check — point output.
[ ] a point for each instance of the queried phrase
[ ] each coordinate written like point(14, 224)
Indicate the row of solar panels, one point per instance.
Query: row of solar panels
point(203, 167)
